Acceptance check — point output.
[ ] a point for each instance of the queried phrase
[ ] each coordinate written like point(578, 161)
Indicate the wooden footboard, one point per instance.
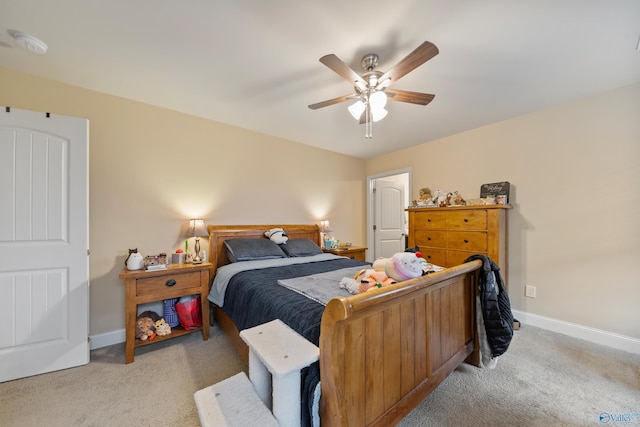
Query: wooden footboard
point(384, 351)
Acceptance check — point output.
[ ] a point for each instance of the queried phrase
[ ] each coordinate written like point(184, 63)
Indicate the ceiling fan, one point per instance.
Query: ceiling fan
point(372, 87)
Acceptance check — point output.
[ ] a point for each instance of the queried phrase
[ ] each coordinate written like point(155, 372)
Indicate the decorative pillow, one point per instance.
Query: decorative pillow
point(252, 249)
point(301, 247)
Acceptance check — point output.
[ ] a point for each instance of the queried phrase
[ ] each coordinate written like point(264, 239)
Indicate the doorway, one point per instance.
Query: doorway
point(387, 222)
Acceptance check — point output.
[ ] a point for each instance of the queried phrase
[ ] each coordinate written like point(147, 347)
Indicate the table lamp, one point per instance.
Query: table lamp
point(198, 230)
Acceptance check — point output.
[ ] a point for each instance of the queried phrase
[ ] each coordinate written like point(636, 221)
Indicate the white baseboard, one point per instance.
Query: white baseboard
point(597, 336)
point(107, 339)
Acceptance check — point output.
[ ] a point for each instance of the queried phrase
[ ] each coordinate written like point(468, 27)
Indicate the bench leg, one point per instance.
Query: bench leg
point(286, 399)
point(260, 378)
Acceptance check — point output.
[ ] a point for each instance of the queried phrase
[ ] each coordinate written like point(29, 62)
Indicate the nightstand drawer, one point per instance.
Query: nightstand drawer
point(173, 282)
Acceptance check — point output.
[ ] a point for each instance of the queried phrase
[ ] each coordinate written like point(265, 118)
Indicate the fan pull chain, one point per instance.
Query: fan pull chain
point(368, 122)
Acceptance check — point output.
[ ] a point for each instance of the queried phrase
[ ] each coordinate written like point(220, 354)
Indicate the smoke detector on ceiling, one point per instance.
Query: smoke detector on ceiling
point(29, 42)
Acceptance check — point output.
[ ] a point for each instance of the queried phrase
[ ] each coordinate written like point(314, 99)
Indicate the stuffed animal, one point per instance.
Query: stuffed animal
point(162, 328)
point(440, 198)
point(401, 266)
point(365, 280)
point(277, 235)
point(425, 193)
point(455, 199)
point(145, 325)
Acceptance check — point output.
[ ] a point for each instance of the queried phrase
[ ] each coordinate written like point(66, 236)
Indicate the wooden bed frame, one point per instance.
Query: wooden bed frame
point(384, 351)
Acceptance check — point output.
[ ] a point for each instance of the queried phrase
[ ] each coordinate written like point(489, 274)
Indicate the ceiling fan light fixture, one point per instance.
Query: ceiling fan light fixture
point(356, 109)
point(378, 100)
point(384, 84)
point(378, 114)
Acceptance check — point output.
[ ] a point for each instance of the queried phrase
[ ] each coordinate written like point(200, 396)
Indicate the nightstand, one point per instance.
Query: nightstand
point(353, 252)
point(177, 280)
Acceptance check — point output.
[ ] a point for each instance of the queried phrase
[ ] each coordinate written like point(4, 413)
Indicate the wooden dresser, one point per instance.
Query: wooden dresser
point(448, 236)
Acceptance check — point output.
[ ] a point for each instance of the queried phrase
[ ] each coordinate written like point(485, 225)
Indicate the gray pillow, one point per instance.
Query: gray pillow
point(300, 247)
point(252, 249)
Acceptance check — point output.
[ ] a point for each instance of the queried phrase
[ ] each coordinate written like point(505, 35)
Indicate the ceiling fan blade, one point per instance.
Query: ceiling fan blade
point(332, 101)
point(341, 68)
point(407, 96)
point(419, 56)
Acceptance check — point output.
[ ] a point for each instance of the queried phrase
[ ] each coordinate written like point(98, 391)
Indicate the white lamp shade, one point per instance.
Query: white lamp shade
point(378, 114)
point(197, 228)
point(356, 109)
point(378, 100)
point(324, 226)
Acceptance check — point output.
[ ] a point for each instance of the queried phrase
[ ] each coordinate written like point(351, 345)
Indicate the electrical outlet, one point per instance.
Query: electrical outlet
point(530, 291)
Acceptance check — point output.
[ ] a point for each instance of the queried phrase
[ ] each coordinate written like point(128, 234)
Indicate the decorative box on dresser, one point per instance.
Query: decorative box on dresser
point(448, 236)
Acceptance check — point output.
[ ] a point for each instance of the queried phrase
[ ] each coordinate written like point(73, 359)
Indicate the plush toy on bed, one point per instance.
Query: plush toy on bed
point(277, 235)
point(145, 325)
point(401, 266)
point(365, 280)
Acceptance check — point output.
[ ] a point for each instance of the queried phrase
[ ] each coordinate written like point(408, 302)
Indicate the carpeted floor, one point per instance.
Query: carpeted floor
point(545, 379)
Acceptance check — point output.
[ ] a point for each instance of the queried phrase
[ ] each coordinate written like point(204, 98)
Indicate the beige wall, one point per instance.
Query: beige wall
point(574, 169)
point(151, 169)
point(575, 226)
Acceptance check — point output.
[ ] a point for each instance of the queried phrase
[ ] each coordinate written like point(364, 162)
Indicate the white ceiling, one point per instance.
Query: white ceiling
point(254, 64)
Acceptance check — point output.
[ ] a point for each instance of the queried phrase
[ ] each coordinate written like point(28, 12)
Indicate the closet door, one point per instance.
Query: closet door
point(44, 274)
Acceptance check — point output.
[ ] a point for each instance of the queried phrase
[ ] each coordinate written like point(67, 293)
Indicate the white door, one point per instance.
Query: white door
point(389, 218)
point(44, 273)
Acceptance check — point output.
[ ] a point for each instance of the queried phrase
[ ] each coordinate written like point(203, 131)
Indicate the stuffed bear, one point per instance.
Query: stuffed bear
point(145, 325)
point(162, 328)
point(425, 193)
point(145, 328)
point(277, 235)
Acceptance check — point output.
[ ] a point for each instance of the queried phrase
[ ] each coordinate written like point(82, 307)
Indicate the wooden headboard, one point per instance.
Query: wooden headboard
point(219, 233)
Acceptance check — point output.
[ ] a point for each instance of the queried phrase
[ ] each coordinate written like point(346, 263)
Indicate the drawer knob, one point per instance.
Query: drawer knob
point(428, 238)
point(466, 241)
point(170, 283)
point(428, 219)
point(466, 220)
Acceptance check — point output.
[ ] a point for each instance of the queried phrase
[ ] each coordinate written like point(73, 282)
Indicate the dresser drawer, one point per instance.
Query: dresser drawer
point(467, 240)
point(430, 219)
point(458, 257)
point(154, 285)
point(467, 220)
point(432, 238)
point(434, 256)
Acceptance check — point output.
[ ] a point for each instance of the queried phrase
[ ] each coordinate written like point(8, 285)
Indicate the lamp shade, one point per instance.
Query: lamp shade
point(378, 100)
point(197, 228)
point(356, 109)
point(325, 227)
